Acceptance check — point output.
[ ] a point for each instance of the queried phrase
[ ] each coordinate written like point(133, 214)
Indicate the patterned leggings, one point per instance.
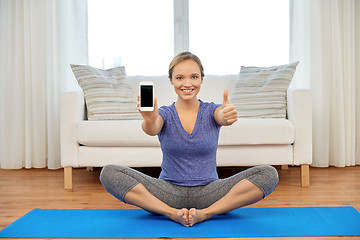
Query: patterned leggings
point(118, 180)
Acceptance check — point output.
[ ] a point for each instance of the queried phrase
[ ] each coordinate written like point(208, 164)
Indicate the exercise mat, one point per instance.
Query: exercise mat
point(137, 223)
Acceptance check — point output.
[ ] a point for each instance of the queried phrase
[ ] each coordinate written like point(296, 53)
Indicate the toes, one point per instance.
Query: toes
point(192, 214)
point(183, 216)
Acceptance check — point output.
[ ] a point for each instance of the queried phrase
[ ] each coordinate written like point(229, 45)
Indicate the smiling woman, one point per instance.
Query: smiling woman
point(186, 79)
point(188, 190)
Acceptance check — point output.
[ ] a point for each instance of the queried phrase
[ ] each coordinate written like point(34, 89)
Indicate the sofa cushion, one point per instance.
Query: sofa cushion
point(108, 94)
point(258, 131)
point(114, 133)
point(129, 133)
point(260, 92)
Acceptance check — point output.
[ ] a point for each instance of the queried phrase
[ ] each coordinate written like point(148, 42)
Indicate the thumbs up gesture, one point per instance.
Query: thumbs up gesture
point(228, 113)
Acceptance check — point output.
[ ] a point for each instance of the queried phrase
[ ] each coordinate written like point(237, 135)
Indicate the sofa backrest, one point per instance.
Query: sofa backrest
point(211, 90)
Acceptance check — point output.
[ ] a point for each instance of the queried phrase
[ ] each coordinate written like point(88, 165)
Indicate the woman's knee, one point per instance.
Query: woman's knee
point(272, 177)
point(104, 174)
point(107, 174)
point(116, 180)
point(266, 178)
point(271, 173)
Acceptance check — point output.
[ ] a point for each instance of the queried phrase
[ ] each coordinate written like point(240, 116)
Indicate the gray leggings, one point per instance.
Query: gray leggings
point(118, 180)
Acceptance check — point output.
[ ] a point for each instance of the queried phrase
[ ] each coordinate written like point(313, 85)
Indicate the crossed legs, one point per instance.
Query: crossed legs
point(242, 194)
point(160, 197)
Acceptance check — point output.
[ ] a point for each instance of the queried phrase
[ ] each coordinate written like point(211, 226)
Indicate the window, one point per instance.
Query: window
point(225, 34)
point(137, 34)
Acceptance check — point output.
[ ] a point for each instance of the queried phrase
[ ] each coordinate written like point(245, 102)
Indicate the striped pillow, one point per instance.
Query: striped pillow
point(261, 92)
point(108, 94)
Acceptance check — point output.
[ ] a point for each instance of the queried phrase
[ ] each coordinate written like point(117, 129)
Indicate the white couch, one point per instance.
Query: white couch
point(248, 142)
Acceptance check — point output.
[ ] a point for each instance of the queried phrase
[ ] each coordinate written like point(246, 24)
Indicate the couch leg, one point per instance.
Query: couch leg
point(305, 175)
point(68, 178)
point(284, 167)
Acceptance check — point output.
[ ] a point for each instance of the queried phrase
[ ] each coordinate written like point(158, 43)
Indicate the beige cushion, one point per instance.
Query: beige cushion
point(129, 133)
point(257, 131)
point(261, 92)
point(108, 94)
point(114, 133)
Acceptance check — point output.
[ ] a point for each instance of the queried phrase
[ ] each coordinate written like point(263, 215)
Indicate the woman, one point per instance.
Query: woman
point(188, 190)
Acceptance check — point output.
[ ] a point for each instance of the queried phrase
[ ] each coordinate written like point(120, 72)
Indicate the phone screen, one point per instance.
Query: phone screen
point(146, 94)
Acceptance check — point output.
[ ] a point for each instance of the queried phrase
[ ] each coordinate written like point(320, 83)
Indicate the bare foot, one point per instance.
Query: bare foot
point(181, 216)
point(196, 216)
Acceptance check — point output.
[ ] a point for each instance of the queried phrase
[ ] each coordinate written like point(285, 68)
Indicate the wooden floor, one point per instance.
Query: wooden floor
point(23, 190)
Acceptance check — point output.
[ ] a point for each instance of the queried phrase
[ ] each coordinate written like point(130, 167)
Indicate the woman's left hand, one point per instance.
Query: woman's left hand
point(227, 113)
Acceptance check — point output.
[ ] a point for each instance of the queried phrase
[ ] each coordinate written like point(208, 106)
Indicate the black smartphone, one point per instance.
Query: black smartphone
point(146, 96)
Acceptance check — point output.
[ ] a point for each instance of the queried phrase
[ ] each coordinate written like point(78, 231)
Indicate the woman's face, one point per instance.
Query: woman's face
point(187, 80)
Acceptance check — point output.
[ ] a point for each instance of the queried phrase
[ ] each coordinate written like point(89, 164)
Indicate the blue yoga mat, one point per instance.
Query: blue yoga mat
point(137, 223)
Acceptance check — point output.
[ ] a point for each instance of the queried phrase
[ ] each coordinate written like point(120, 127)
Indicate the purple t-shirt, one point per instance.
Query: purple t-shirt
point(189, 159)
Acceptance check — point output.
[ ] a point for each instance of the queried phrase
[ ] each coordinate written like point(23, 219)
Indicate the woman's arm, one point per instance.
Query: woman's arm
point(153, 128)
point(153, 122)
point(226, 114)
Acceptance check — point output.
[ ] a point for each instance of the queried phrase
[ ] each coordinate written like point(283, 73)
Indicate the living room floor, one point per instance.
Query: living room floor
point(25, 189)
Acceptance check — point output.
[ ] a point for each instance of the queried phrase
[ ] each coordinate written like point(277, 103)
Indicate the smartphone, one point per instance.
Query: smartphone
point(146, 96)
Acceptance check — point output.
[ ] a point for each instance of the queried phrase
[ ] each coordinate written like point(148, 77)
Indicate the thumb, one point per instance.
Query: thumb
point(155, 103)
point(226, 100)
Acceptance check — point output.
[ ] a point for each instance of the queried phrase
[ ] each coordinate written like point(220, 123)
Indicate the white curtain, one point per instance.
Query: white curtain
point(38, 41)
point(325, 38)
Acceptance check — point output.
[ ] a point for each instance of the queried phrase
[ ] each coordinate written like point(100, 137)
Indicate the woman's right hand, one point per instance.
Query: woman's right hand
point(152, 123)
point(148, 116)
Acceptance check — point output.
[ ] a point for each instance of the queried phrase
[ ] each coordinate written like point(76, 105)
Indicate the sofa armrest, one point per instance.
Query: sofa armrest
point(72, 110)
point(299, 112)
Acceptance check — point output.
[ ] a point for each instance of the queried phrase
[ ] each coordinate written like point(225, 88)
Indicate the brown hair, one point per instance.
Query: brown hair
point(182, 57)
